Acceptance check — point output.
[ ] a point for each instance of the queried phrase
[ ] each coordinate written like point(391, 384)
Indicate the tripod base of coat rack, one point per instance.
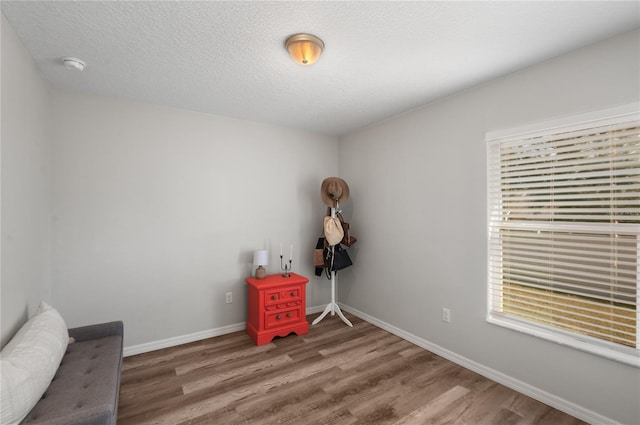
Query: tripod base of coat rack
point(332, 307)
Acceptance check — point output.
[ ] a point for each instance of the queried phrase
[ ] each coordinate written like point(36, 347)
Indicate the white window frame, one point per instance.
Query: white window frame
point(617, 352)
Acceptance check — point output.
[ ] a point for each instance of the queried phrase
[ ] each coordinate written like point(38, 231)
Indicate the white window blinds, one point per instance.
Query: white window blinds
point(564, 227)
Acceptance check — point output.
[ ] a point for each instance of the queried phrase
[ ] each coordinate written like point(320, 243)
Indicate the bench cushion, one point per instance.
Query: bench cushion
point(85, 387)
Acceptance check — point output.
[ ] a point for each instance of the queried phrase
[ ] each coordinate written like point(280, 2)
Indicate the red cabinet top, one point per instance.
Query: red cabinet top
point(276, 280)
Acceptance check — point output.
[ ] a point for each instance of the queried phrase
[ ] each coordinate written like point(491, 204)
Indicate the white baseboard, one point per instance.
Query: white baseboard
point(182, 339)
point(197, 336)
point(316, 309)
point(561, 404)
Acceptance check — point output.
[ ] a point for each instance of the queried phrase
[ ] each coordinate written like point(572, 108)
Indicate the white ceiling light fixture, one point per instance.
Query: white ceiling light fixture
point(73, 63)
point(305, 49)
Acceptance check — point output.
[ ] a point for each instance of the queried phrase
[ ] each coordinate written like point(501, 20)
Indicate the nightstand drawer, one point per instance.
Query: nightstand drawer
point(282, 295)
point(281, 317)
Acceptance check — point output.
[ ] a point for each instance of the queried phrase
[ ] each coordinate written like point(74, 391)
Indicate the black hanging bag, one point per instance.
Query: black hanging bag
point(336, 258)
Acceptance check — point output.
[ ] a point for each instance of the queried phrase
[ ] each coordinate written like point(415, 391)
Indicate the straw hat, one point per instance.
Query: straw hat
point(334, 190)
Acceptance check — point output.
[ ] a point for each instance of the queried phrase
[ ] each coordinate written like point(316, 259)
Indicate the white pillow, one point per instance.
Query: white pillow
point(29, 361)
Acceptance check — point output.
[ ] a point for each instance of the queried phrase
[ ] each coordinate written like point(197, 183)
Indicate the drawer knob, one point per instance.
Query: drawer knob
point(293, 294)
point(273, 297)
point(278, 317)
point(288, 314)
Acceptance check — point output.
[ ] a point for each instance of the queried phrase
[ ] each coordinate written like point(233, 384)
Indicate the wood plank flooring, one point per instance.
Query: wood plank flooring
point(332, 375)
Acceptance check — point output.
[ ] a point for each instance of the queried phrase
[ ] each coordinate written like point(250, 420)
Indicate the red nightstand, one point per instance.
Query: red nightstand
point(277, 307)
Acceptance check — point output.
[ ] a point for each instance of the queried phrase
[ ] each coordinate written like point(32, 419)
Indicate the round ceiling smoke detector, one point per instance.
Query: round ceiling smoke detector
point(73, 63)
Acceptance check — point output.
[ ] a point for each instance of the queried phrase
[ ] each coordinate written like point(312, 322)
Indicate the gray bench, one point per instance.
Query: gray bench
point(86, 386)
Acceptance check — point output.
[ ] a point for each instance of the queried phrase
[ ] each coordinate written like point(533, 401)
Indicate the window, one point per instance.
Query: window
point(564, 231)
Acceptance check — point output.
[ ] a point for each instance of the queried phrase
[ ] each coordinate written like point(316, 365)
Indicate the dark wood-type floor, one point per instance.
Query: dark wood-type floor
point(332, 375)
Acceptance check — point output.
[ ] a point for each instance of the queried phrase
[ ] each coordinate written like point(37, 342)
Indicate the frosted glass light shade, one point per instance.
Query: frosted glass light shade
point(261, 257)
point(305, 49)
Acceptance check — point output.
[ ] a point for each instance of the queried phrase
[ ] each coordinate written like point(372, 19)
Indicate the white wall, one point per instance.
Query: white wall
point(26, 191)
point(157, 211)
point(419, 210)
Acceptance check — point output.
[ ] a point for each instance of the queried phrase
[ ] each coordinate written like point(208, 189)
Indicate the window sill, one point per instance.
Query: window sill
point(628, 356)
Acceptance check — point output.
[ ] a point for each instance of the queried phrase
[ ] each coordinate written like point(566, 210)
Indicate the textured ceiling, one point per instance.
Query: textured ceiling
point(228, 58)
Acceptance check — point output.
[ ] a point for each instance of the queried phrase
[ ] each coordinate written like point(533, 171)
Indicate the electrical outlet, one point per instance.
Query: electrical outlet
point(229, 296)
point(446, 315)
